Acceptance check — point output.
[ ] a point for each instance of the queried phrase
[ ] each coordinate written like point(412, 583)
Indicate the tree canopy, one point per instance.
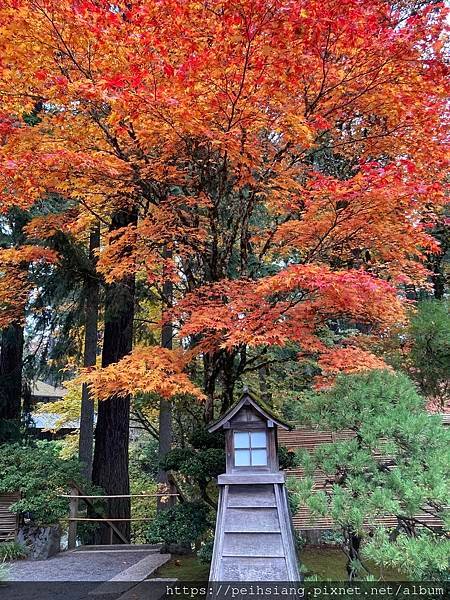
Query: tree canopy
point(264, 180)
point(289, 153)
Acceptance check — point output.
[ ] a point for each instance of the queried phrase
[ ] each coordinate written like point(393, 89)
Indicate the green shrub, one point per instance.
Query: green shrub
point(184, 524)
point(197, 468)
point(143, 469)
point(200, 465)
point(205, 553)
point(430, 352)
point(202, 439)
point(286, 458)
point(40, 474)
point(12, 551)
point(299, 540)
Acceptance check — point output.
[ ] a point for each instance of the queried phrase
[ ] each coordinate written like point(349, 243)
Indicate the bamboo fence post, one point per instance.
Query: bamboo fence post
point(73, 510)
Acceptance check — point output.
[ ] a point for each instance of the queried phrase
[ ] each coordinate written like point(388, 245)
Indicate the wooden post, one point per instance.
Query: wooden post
point(79, 492)
point(73, 511)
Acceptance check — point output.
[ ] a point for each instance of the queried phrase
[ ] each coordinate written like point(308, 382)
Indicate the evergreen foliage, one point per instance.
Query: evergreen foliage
point(183, 524)
point(40, 474)
point(198, 464)
point(397, 463)
point(430, 353)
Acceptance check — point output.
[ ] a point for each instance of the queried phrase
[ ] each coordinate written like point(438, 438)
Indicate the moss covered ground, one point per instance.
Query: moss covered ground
point(323, 562)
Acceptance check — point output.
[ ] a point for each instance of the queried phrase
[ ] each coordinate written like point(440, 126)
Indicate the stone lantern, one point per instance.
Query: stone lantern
point(254, 537)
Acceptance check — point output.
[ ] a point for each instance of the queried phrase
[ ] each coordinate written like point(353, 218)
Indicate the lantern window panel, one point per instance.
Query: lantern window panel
point(242, 458)
point(259, 458)
point(250, 449)
point(258, 439)
point(241, 439)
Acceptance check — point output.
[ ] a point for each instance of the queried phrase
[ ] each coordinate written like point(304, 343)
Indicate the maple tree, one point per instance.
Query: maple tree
point(280, 163)
point(146, 370)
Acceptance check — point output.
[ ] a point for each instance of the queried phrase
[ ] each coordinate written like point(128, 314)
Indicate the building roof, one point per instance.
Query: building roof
point(40, 388)
point(52, 421)
point(260, 407)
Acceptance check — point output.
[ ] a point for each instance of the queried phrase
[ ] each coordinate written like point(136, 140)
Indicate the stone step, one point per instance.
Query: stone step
point(128, 579)
point(149, 548)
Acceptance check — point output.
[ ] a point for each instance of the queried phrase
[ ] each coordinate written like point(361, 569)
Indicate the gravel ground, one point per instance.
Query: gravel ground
point(74, 566)
point(69, 576)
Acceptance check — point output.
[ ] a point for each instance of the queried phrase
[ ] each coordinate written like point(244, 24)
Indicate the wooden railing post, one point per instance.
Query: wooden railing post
point(77, 494)
point(73, 514)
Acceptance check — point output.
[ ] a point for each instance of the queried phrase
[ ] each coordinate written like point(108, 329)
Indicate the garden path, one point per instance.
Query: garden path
point(80, 575)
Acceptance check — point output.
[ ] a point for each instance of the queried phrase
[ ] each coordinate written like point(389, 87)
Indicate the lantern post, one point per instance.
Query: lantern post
point(254, 538)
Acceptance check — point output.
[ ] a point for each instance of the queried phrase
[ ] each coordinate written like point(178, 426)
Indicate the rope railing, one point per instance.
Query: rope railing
point(80, 497)
point(74, 518)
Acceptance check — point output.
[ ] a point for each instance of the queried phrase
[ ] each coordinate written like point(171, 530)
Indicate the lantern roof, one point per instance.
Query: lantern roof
point(248, 398)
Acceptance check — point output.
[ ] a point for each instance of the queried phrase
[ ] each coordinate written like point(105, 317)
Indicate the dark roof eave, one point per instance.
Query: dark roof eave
point(257, 404)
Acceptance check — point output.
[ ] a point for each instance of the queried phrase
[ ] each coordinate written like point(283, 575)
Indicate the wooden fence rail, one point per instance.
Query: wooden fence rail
point(80, 497)
point(9, 522)
point(77, 495)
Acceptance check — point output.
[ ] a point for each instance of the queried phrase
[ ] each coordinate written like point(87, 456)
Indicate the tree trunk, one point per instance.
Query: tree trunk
point(165, 407)
point(438, 279)
point(228, 379)
point(264, 390)
point(110, 465)
point(11, 358)
point(209, 385)
point(86, 442)
point(354, 543)
point(218, 365)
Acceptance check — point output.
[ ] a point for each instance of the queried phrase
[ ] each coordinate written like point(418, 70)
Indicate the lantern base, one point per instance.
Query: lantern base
point(250, 478)
point(254, 539)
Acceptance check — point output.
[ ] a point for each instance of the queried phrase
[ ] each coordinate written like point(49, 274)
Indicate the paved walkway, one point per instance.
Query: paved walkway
point(78, 575)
